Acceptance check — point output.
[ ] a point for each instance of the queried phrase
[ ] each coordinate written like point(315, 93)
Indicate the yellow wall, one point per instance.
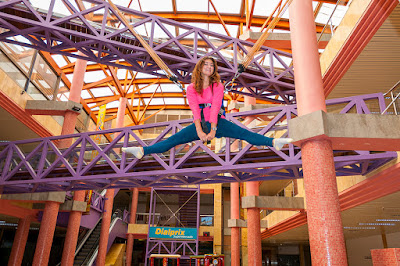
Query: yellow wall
point(218, 222)
point(138, 228)
point(115, 256)
point(343, 32)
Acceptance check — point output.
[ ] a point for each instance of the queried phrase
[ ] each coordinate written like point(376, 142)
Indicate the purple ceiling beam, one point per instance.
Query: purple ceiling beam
point(38, 165)
point(103, 44)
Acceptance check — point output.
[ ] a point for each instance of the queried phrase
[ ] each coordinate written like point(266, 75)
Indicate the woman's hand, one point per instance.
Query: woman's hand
point(211, 135)
point(202, 136)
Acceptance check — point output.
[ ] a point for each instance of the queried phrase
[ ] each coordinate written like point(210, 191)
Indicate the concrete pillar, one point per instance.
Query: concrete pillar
point(235, 231)
point(386, 257)
point(105, 227)
point(70, 118)
point(235, 214)
point(121, 112)
point(108, 205)
point(71, 238)
point(248, 101)
point(46, 233)
point(323, 210)
point(21, 236)
point(132, 220)
point(253, 227)
point(253, 214)
point(74, 95)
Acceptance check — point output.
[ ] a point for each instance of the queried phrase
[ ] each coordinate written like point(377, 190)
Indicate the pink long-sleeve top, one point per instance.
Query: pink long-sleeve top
point(213, 96)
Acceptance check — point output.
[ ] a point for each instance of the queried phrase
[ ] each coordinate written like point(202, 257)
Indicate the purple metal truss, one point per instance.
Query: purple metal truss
point(38, 165)
point(185, 248)
point(97, 201)
point(267, 76)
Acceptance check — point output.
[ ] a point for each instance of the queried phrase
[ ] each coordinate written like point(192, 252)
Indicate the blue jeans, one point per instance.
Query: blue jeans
point(225, 129)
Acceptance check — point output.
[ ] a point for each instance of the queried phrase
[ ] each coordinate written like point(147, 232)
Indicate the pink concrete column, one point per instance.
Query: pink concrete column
point(248, 101)
point(74, 95)
point(46, 233)
point(235, 214)
point(71, 238)
point(235, 143)
point(105, 227)
point(121, 112)
point(386, 257)
point(253, 214)
point(70, 118)
point(309, 89)
point(323, 210)
point(108, 205)
point(21, 236)
point(235, 231)
point(132, 220)
point(253, 227)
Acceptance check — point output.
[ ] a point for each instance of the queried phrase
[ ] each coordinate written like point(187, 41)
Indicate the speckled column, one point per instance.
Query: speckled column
point(71, 238)
point(253, 227)
point(323, 210)
point(18, 248)
point(253, 214)
point(235, 214)
point(386, 257)
point(74, 95)
point(46, 233)
point(74, 221)
point(105, 227)
point(108, 205)
point(121, 112)
point(132, 220)
point(235, 231)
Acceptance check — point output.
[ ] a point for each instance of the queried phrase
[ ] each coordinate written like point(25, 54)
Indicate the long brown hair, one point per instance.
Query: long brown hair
point(197, 77)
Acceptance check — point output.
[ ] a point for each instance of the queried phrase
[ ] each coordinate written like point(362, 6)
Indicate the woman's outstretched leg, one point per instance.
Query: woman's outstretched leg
point(186, 135)
point(231, 130)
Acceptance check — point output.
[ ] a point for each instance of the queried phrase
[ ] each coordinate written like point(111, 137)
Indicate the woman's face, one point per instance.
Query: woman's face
point(208, 68)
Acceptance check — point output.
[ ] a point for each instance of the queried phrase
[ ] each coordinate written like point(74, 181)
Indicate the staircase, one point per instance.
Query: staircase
point(89, 247)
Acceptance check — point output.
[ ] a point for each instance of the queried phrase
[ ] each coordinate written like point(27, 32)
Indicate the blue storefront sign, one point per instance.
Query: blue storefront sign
point(173, 233)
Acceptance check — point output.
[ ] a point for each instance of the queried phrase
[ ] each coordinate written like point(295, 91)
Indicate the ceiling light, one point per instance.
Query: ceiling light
point(387, 220)
point(358, 228)
point(387, 224)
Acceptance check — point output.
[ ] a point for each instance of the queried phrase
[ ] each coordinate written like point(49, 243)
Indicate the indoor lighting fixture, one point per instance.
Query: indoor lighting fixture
point(387, 220)
point(387, 224)
point(358, 228)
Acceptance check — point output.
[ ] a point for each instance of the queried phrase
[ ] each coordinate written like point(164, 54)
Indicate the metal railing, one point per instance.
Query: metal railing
point(393, 95)
point(329, 21)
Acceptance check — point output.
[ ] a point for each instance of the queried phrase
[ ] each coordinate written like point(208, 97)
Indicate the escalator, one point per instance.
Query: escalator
point(88, 245)
point(86, 253)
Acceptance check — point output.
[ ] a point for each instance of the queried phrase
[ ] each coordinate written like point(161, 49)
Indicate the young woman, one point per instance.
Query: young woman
point(205, 95)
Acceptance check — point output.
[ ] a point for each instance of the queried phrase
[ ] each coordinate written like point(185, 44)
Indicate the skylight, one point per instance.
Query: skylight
point(161, 6)
point(194, 6)
point(232, 8)
point(262, 9)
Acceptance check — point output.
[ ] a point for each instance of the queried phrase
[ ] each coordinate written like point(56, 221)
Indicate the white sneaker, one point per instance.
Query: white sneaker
point(279, 143)
point(136, 151)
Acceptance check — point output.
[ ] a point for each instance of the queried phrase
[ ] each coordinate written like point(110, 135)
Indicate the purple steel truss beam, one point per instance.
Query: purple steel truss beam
point(269, 74)
point(38, 165)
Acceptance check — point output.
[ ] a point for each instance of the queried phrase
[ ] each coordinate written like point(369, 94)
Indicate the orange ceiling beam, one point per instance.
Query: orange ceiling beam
point(142, 95)
point(151, 107)
point(285, 45)
point(257, 21)
point(8, 208)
